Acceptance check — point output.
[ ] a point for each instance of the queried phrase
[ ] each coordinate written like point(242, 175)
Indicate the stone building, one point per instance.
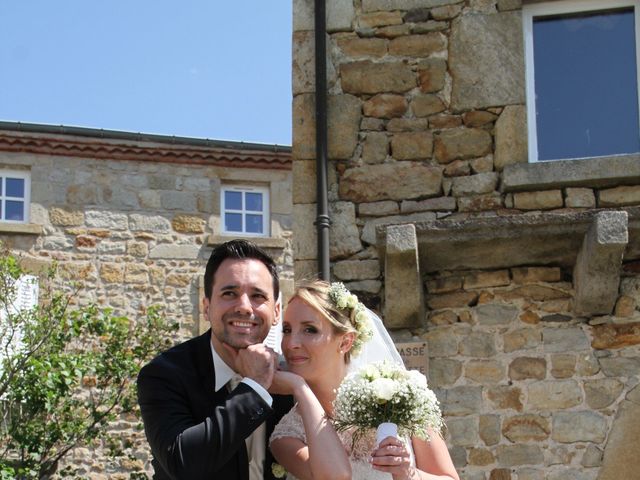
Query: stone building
point(134, 217)
point(484, 194)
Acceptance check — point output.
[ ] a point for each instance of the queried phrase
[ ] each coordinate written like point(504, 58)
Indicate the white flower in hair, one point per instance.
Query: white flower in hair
point(343, 299)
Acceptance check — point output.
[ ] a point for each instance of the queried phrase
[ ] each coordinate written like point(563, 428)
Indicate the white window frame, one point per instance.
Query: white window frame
point(26, 176)
point(265, 210)
point(531, 11)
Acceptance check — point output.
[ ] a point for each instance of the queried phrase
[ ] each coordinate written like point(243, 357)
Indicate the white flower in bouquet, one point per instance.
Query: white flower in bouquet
point(381, 393)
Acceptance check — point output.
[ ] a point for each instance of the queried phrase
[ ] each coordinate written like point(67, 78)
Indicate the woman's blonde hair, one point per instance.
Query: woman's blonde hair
point(315, 293)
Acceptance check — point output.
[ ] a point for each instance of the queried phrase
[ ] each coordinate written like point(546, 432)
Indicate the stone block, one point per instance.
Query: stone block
point(474, 184)
point(619, 196)
point(432, 74)
point(64, 217)
point(419, 46)
point(554, 395)
point(411, 145)
point(188, 224)
point(408, 125)
point(486, 60)
point(579, 198)
point(602, 392)
point(478, 344)
point(305, 244)
point(403, 180)
point(521, 339)
point(487, 372)
point(523, 454)
point(304, 174)
point(183, 201)
point(463, 431)
point(460, 401)
point(379, 19)
point(497, 278)
point(149, 223)
point(177, 252)
point(625, 306)
point(480, 457)
point(526, 428)
point(496, 314)
point(357, 269)
point(403, 301)
point(591, 172)
point(105, 219)
point(524, 368)
point(429, 205)
point(441, 284)
point(478, 203)
point(443, 371)
point(340, 15)
point(478, 118)
point(343, 119)
point(457, 168)
point(354, 47)
point(462, 143)
point(511, 137)
point(610, 336)
point(424, 105)
point(504, 397)
point(442, 342)
point(581, 426)
point(564, 339)
point(304, 127)
point(619, 366)
point(385, 5)
point(452, 300)
point(365, 77)
point(596, 274)
point(489, 426)
point(536, 274)
point(344, 238)
point(563, 365)
point(371, 227)
point(392, 31)
point(443, 120)
point(378, 209)
point(385, 105)
point(375, 147)
point(544, 200)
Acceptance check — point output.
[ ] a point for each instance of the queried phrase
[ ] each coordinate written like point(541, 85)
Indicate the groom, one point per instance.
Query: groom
point(199, 422)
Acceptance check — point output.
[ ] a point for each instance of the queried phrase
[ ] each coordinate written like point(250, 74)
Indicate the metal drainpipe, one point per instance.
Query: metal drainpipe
point(323, 221)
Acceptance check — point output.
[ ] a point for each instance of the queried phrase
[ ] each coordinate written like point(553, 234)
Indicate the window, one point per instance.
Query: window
point(245, 210)
point(582, 78)
point(14, 196)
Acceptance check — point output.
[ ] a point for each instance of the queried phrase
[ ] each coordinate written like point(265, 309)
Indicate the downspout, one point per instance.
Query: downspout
point(323, 221)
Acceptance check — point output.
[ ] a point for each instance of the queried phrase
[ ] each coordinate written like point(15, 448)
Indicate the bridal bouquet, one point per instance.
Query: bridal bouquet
point(383, 393)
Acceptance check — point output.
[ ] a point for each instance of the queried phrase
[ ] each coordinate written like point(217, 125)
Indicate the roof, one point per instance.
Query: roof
point(119, 145)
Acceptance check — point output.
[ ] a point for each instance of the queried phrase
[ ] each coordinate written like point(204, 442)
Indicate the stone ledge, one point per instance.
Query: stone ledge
point(262, 242)
point(508, 241)
point(20, 228)
point(590, 172)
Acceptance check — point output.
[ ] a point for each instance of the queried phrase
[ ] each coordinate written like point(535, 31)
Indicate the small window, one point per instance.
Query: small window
point(582, 78)
point(245, 211)
point(14, 196)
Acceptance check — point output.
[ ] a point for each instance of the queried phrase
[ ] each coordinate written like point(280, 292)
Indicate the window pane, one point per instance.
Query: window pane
point(1, 185)
point(585, 85)
point(233, 222)
point(233, 200)
point(15, 210)
point(254, 224)
point(15, 187)
point(254, 202)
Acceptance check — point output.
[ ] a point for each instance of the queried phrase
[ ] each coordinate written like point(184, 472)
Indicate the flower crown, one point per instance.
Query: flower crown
point(343, 299)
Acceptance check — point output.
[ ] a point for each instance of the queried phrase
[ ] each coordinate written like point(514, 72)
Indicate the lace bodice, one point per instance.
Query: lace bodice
point(291, 426)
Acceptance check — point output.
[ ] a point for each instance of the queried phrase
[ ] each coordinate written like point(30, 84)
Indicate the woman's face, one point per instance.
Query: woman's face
point(309, 343)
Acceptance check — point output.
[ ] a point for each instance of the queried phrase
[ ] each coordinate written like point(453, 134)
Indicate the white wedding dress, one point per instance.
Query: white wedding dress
point(291, 426)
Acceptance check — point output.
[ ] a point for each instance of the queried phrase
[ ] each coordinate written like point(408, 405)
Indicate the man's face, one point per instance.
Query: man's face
point(242, 307)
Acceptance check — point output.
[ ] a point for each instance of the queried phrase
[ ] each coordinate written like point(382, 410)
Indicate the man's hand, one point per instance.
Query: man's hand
point(257, 362)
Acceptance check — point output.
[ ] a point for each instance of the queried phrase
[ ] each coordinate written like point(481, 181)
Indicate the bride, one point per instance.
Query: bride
point(319, 340)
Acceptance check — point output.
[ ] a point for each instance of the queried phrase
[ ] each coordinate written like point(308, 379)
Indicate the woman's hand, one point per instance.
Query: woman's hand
point(286, 383)
point(392, 456)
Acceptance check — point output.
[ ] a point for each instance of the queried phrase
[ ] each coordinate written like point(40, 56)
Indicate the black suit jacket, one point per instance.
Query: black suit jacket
point(195, 432)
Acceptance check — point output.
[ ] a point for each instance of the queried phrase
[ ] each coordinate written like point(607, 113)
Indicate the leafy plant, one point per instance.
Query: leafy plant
point(66, 372)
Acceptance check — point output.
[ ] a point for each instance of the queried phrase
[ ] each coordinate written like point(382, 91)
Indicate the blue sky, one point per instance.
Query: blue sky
point(195, 68)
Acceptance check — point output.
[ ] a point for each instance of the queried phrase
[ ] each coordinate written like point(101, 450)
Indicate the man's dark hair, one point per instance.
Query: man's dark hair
point(238, 249)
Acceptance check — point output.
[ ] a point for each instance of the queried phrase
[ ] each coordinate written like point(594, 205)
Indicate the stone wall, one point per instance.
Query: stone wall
point(136, 233)
point(427, 130)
